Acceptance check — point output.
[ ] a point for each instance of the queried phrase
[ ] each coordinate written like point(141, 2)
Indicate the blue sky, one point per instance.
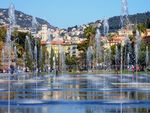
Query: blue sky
point(65, 13)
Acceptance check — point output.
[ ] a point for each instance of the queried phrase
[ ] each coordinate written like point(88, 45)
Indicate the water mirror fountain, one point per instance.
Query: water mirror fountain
point(98, 48)
point(106, 27)
point(101, 88)
point(89, 59)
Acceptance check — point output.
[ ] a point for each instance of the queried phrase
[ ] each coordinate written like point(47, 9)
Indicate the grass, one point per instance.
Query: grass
point(96, 72)
point(108, 72)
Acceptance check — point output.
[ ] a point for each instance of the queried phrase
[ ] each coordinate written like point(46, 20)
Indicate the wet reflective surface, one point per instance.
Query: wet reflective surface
point(87, 93)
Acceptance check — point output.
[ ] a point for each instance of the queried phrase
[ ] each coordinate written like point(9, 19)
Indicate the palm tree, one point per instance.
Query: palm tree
point(141, 28)
point(89, 33)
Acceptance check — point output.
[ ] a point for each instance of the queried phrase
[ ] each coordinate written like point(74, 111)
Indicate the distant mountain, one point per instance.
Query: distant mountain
point(22, 19)
point(114, 22)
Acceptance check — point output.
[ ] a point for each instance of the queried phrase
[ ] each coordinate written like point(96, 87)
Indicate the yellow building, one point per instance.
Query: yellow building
point(57, 44)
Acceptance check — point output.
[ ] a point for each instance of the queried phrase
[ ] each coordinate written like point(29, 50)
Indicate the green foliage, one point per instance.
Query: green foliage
point(45, 58)
point(114, 22)
point(15, 33)
point(113, 52)
point(51, 58)
point(147, 24)
point(71, 60)
point(20, 51)
point(89, 33)
point(132, 38)
point(20, 42)
point(21, 38)
point(83, 46)
point(110, 36)
point(29, 62)
point(1, 46)
point(141, 28)
point(142, 53)
point(2, 33)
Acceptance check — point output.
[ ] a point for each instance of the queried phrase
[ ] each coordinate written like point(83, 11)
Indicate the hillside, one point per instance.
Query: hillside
point(22, 19)
point(114, 22)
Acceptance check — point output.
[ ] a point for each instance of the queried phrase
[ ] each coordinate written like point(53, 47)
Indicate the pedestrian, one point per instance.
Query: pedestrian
point(12, 69)
point(133, 69)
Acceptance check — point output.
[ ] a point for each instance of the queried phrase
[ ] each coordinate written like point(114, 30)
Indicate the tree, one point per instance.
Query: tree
point(89, 33)
point(141, 28)
point(110, 36)
point(1, 46)
point(21, 38)
point(147, 23)
point(42, 61)
point(3, 31)
point(142, 53)
point(71, 61)
point(113, 52)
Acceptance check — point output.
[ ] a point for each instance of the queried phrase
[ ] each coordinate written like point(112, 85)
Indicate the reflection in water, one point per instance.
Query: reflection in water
point(73, 109)
point(78, 94)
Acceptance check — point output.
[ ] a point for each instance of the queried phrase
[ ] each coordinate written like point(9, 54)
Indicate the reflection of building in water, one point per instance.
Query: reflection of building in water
point(65, 91)
point(4, 96)
point(79, 89)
